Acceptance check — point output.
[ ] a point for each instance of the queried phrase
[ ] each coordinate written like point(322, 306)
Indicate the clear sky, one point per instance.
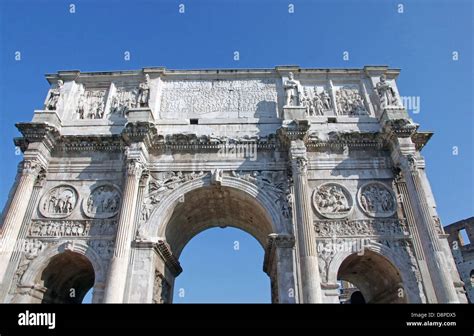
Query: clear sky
point(420, 41)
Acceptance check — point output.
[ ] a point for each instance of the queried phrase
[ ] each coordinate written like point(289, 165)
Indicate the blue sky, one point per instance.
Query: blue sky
point(420, 41)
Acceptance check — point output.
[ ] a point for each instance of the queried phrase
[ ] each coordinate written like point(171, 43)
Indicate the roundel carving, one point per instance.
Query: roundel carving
point(332, 200)
point(103, 202)
point(59, 201)
point(377, 200)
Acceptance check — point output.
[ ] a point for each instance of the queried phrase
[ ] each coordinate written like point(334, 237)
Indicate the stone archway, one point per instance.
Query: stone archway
point(67, 278)
point(60, 267)
point(199, 205)
point(377, 279)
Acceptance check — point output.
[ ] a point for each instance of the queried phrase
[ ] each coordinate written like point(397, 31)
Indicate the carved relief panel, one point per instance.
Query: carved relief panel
point(350, 100)
point(103, 202)
point(377, 200)
point(316, 99)
point(91, 103)
point(332, 200)
point(59, 202)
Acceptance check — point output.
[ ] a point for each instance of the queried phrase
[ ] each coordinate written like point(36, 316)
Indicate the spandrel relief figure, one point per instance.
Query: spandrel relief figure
point(292, 91)
point(144, 92)
point(54, 96)
point(386, 93)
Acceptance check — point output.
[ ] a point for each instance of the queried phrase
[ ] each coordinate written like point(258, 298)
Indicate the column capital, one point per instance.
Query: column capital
point(294, 130)
point(135, 167)
point(31, 167)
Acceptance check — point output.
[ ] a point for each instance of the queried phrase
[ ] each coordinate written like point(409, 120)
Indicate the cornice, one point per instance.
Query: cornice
point(36, 132)
point(106, 143)
point(340, 140)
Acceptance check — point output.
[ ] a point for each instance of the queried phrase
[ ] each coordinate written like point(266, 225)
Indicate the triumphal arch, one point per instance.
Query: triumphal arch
point(322, 166)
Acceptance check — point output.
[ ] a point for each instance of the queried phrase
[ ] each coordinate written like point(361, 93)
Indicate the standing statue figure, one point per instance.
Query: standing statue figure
point(144, 92)
point(54, 96)
point(292, 88)
point(385, 92)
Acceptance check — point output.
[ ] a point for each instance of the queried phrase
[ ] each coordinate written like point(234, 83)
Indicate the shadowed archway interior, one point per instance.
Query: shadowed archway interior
point(67, 278)
point(216, 206)
point(376, 277)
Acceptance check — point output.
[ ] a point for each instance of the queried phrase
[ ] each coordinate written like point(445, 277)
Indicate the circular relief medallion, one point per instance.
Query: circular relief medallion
point(332, 200)
point(59, 202)
point(377, 200)
point(103, 202)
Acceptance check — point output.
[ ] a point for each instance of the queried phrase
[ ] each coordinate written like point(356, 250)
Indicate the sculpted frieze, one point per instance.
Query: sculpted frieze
point(72, 228)
point(161, 185)
point(363, 227)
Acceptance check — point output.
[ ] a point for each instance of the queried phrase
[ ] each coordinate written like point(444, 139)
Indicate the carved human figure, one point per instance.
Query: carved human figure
point(292, 89)
point(54, 96)
point(81, 106)
point(331, 199)
point(144, 92)
point(377, 199)
point(318, 103)
point(326, 98)
point(385, 92)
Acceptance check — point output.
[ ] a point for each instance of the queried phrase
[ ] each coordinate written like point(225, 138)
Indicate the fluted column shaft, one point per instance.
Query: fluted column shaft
point(308, 257)
point(117, 275)
point(16, 212)
point(438, 266)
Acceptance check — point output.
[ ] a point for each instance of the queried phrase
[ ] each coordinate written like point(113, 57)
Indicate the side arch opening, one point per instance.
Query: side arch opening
point(67, 278)
point(374, 279)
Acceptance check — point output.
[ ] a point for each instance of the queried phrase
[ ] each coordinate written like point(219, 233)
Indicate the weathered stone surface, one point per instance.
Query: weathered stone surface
point(321, 166)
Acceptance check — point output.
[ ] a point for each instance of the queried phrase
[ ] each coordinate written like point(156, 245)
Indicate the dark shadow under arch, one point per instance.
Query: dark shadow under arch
point(67, 278)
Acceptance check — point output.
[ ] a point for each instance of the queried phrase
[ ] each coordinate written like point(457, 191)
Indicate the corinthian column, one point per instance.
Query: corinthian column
point(308, 257)
point(29, 170)
point(438, 265)
point(117, 276)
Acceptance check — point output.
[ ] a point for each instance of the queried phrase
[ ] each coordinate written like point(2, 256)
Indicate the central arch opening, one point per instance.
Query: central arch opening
point(219, 207)
point(222, 266)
